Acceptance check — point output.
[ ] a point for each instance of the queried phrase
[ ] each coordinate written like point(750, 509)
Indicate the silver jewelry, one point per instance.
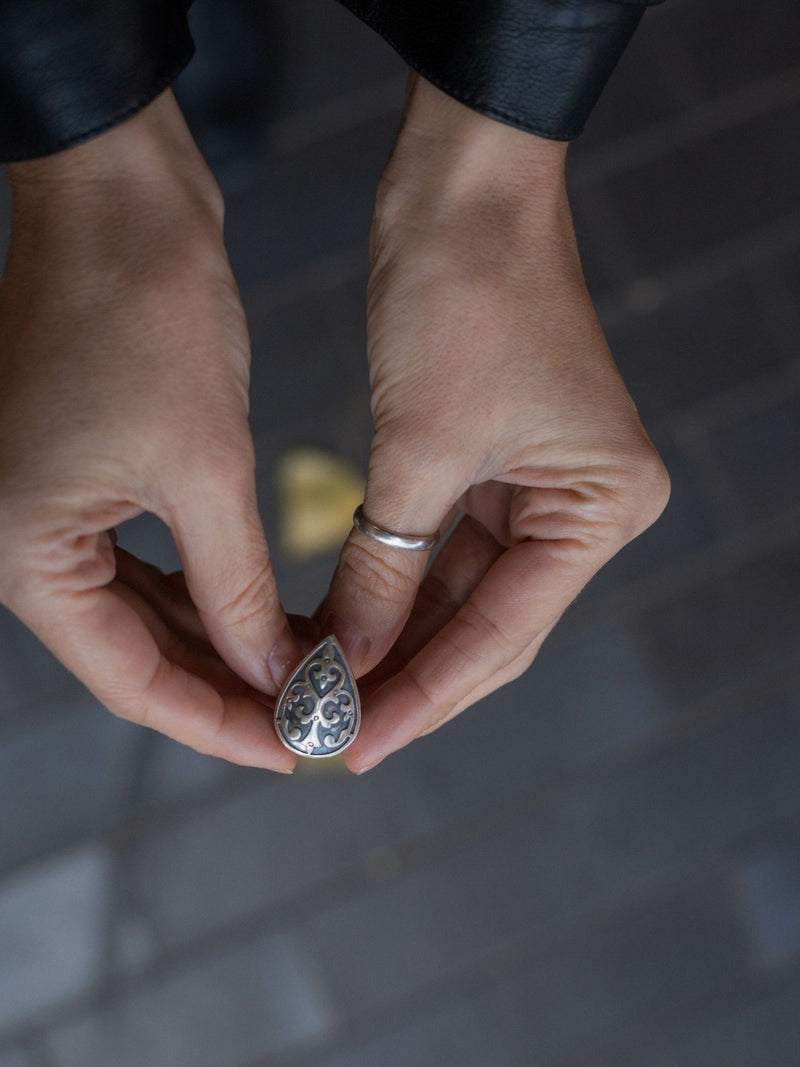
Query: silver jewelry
point(318, 711)
point(411, 542)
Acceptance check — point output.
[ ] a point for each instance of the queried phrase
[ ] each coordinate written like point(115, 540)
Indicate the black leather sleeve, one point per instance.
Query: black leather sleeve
point(536, 64)
point(72, 68)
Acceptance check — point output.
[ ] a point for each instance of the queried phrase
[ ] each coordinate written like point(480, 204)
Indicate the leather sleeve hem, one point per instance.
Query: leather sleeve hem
point(36, 150)
point(68, 74)
point(539, 65)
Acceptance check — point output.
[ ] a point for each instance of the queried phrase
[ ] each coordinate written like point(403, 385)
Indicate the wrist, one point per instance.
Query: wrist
point(451, 156)
point(466, 196)
point(134, 181)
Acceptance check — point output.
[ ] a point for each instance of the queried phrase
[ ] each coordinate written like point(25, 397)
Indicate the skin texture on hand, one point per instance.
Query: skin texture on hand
point(493, 393)
point(124, 367)
point(124, 364)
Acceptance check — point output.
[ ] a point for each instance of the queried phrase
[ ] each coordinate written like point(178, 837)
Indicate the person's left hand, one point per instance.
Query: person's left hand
point(493, 392)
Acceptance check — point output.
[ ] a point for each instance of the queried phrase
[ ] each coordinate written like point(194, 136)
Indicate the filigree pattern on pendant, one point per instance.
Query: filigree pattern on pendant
point(318, 711)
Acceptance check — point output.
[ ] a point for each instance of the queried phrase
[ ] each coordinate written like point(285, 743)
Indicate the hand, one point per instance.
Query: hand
point(493, 392)
point(124, 363)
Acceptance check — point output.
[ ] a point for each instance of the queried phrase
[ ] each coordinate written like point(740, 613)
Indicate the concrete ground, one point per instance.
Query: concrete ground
point(624, 891)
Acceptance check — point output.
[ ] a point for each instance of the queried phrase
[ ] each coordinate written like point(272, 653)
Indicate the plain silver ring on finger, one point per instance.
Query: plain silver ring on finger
point(409, 542)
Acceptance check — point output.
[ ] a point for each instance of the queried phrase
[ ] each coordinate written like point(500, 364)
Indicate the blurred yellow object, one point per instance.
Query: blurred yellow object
point(318, 494)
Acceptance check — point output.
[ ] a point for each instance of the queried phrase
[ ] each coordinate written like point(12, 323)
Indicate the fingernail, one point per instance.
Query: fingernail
point(283, 656)
point(369, 766)
point(354, 641)
point(359, 763)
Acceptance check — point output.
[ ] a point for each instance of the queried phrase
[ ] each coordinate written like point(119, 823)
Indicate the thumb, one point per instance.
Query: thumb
point(374, 585)
point(221, 543)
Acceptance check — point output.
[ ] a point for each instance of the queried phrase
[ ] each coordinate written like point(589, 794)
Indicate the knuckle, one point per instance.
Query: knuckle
point(410, 452)
point(492, 640)
point(227, 470)
point(427, 702)
point(621, 499)
point(433, 712)
point(213, 459)
point(138, 703)
point(649, 493)
point(249, 599)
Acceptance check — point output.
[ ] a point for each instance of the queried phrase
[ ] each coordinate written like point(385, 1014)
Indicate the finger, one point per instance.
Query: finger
point(508, 674)
point(512, 609)
point(164, 604)
point(229, 576)
point(105, 641)
point(166, 594)
point(374, 585)
point(197, 657)
point(458, 568)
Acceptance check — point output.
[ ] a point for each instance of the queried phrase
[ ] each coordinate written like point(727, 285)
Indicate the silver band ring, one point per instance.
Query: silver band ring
point(411, 542)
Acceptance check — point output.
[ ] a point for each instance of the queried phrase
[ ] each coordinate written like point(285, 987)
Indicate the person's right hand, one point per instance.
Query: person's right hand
point(124, 364)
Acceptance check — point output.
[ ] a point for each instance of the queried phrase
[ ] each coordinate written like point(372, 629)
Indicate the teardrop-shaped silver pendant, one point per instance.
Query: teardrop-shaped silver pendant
point(318, 712)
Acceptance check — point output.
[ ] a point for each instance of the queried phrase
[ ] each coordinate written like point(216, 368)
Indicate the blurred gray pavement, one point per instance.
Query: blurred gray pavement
point(623, 890)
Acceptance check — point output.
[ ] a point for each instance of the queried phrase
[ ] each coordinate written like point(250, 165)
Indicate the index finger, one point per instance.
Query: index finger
point(497, 630)
point(106, 643)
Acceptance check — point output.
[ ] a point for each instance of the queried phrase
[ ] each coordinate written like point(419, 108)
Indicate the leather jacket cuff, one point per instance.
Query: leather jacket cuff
point(539, 65)
point(71, 69)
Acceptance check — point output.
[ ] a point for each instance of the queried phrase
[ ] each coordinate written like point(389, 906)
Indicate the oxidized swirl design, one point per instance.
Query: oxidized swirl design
point(318, 711)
